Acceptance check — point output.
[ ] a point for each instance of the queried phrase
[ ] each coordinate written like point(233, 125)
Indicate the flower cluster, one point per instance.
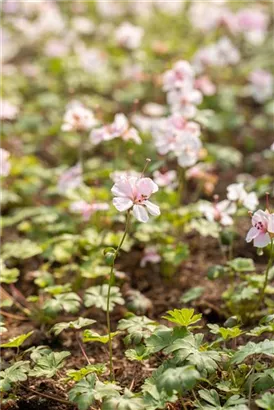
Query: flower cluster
point(219, 54)
point(118, 128)
point(181, 137)
point(182, 96)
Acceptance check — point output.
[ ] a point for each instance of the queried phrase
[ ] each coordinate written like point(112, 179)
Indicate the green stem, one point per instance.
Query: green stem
point(81, 151)
point(111, 280)
point(269, 265)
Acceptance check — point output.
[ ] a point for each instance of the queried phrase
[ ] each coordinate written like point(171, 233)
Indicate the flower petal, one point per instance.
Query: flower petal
point(252, 234)
point(146, 187)
point(122, 188)
point(140, 213)
point(262, 240)
point(122, 204)
point(152, 208)
point(270, 225)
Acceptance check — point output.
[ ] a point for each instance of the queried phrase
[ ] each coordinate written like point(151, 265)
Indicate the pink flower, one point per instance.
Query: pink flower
point(86, 209)
point(180, 76)
point(220, 212)
point(134, 193)
point(205, 85)
point(8, 111)
point(165, 179)
point(253, 24)
point(70, 179)
point(78, 118)
point(262, 227)
point(4, 162)
point(119, 128)
point(150, 256)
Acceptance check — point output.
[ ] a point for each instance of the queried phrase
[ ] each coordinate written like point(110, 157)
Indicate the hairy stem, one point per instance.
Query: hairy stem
point(111, 280)
point(269, 265)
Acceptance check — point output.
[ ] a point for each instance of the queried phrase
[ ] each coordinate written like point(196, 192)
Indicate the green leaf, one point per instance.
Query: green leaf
point(216, 271)
point(90, 336)
point(175, 255)
point(129, 401)
point(212, 401)
point(192, 294)
point(242, 264)
point(13, 374)
point(21, 250)
point(137, 327)
point(76, 324)
point(17, 341)
point(69, 302)
point(182, 317)
point(8, 275)
point(77, 375)
point(83, 393)
point(266, 401)
point(97, 296)
point(163, 336)
point(190, 350)
point(179, 379)
point(156, 399)
point(47, 363)
point(226, 332)
point(265, 347)
point(140, 353)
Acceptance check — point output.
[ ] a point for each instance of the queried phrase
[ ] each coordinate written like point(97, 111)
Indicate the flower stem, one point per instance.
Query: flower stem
point(111, 280)
point(81, 151)
point(181, 178)
point(269, 265)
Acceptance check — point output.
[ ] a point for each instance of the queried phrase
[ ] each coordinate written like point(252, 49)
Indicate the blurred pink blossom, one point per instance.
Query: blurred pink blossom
point(219, 211)
point(70, 179)
point(8, 111)
point(261, 87)
point(180, 76)
point(4, 162)
point(150, 256)
point(129, 36)
point(119, 128)
point(165, 179)
point(205, 85)
point(86, 209)
point(78, 118)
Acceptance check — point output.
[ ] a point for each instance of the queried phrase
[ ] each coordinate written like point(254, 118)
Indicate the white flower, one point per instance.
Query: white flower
point(237, 193)
point(4, 162)
point(129, 36)
point(78, 118)
point(187, 150)
point(8, 111)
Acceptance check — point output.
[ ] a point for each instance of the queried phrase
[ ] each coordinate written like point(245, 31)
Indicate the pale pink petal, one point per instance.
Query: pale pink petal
point(226, 220)
point(152, 208)
point(252, 234)
point(140, 213)
point(270, 225)
point(122, 188)
point(146, 187)
point(260, 216)
point(122, 204)
point(262, 240)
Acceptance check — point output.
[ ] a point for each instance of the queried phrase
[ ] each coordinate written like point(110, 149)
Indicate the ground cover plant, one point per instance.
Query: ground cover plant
point(137, 174)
